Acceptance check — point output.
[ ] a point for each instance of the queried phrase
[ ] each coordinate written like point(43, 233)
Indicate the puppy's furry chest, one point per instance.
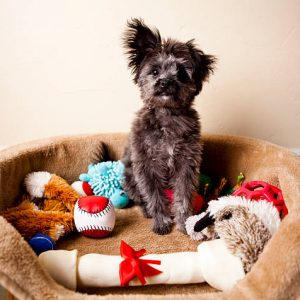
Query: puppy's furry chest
point(163, 135)
point(162, 147)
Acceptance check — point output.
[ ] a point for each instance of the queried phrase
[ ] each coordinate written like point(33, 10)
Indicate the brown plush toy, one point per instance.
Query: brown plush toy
point(47, 208)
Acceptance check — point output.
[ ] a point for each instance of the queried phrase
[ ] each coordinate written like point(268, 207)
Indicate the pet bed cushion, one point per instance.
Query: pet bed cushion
point(276, 275)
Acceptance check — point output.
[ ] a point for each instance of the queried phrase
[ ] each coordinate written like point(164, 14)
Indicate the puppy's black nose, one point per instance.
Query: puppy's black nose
point(164, 83)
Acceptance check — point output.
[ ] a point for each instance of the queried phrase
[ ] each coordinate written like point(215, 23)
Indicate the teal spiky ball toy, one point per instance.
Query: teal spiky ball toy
point(105, 178)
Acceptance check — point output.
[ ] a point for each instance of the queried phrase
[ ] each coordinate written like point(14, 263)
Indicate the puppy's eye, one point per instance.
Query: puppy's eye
point(154, 72)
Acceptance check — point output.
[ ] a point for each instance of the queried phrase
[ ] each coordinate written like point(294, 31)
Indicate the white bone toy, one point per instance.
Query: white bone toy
point(96, 270)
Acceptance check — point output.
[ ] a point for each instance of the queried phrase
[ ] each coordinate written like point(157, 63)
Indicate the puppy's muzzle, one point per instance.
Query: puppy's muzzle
point(166, 86)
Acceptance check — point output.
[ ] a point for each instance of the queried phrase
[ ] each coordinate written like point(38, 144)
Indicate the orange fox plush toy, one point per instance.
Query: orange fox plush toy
point(47, 208)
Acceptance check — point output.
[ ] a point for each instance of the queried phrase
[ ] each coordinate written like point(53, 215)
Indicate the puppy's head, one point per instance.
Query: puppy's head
point(169, 73)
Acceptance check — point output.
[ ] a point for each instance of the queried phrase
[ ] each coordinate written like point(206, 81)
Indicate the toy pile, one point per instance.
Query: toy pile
point(51, 208)
point(211, 189)
point(208, 190)
point(256, 190)
point(233, 229)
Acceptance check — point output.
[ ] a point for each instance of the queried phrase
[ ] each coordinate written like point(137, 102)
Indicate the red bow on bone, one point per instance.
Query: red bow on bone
point(132, 266)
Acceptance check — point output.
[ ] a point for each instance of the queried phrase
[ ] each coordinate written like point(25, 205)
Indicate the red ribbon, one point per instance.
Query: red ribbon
point(132, 266)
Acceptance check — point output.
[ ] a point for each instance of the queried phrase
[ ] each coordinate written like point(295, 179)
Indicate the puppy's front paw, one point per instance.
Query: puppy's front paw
point(162, 227)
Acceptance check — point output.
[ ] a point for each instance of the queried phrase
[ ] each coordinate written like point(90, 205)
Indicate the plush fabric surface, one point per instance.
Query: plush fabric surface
point(276, 275)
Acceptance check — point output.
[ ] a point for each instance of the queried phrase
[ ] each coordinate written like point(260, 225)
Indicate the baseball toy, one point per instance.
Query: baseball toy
point(94, 216)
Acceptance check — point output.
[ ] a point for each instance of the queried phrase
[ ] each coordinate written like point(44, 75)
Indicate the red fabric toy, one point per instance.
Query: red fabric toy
point(197, 204)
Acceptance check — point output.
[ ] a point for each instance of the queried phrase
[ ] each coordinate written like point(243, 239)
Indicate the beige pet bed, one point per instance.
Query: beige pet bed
point(276, 275)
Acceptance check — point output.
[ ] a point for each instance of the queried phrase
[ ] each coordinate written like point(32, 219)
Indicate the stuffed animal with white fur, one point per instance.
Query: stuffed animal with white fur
point(244, 225)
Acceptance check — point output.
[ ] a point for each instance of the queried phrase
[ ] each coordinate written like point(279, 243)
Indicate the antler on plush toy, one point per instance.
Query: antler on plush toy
point(239, 230)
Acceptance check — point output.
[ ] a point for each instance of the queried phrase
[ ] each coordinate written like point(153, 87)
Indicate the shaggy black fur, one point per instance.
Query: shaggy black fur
point(164, 148)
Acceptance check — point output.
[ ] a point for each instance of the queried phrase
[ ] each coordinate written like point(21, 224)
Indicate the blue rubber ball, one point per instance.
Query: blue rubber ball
point(41, 243)
point(119, 199)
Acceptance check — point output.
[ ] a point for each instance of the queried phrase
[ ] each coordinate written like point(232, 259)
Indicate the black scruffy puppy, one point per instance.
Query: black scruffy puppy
point(164, 147)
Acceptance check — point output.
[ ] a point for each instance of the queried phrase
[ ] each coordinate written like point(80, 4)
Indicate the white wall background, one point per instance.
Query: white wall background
point(62, 69)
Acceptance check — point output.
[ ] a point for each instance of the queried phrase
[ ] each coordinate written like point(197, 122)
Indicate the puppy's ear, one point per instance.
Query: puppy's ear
point(203, 64)
point(139, 40)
